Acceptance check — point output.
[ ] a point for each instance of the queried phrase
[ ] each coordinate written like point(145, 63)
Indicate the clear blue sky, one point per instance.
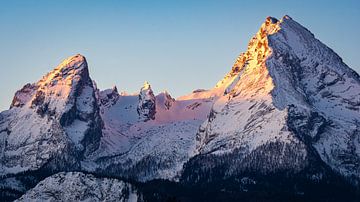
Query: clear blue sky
point(175, 45)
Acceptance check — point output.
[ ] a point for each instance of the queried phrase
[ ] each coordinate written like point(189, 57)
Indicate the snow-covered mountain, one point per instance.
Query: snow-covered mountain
point(53, 123)
point(291, 100)
point(75, 186)
point(287, 114)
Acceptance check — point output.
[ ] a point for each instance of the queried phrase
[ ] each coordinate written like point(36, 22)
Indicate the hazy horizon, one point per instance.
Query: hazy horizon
point(176, 46)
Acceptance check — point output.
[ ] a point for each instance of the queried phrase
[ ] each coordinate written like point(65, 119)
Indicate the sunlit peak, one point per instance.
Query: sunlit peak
point(146, 85)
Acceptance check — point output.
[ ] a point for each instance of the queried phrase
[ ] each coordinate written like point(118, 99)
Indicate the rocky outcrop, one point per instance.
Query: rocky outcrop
point(147, 105)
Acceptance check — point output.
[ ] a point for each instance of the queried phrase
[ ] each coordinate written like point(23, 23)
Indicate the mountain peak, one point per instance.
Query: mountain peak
point(270, 26)
point(66, 89)
point(66, 70)
point(165, 100)
point(251, 65)
point(146, 105)
point(146, 86)
point(72, 61)
point(114, 89)
point(286, 17)
point(272, 19)
point(59, 81)
point(166, 92)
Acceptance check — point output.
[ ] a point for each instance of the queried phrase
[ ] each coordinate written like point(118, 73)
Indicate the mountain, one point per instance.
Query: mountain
point(283, 124)
point(51, 124)
point(74, 186)
point(292, 103)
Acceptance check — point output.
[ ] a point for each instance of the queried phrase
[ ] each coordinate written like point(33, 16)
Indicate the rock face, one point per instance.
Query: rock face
point(146, 107)
point(108, 97)
point(164, 100)
point(75, 186)
point(285, 119)
point(54, 122)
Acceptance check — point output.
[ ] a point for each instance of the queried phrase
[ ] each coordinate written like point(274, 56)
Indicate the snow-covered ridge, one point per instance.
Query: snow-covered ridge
point(129, 140)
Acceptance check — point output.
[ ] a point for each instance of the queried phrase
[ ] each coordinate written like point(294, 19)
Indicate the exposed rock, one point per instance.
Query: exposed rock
point(146, 107)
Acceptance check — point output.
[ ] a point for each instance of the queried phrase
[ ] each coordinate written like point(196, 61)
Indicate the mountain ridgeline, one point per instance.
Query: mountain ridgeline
point(283, 124)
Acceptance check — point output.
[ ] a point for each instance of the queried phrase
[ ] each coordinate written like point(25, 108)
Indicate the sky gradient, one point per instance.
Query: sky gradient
point(177, 46)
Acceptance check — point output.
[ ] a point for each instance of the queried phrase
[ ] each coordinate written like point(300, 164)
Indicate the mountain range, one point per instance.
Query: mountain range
point(283, 124)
